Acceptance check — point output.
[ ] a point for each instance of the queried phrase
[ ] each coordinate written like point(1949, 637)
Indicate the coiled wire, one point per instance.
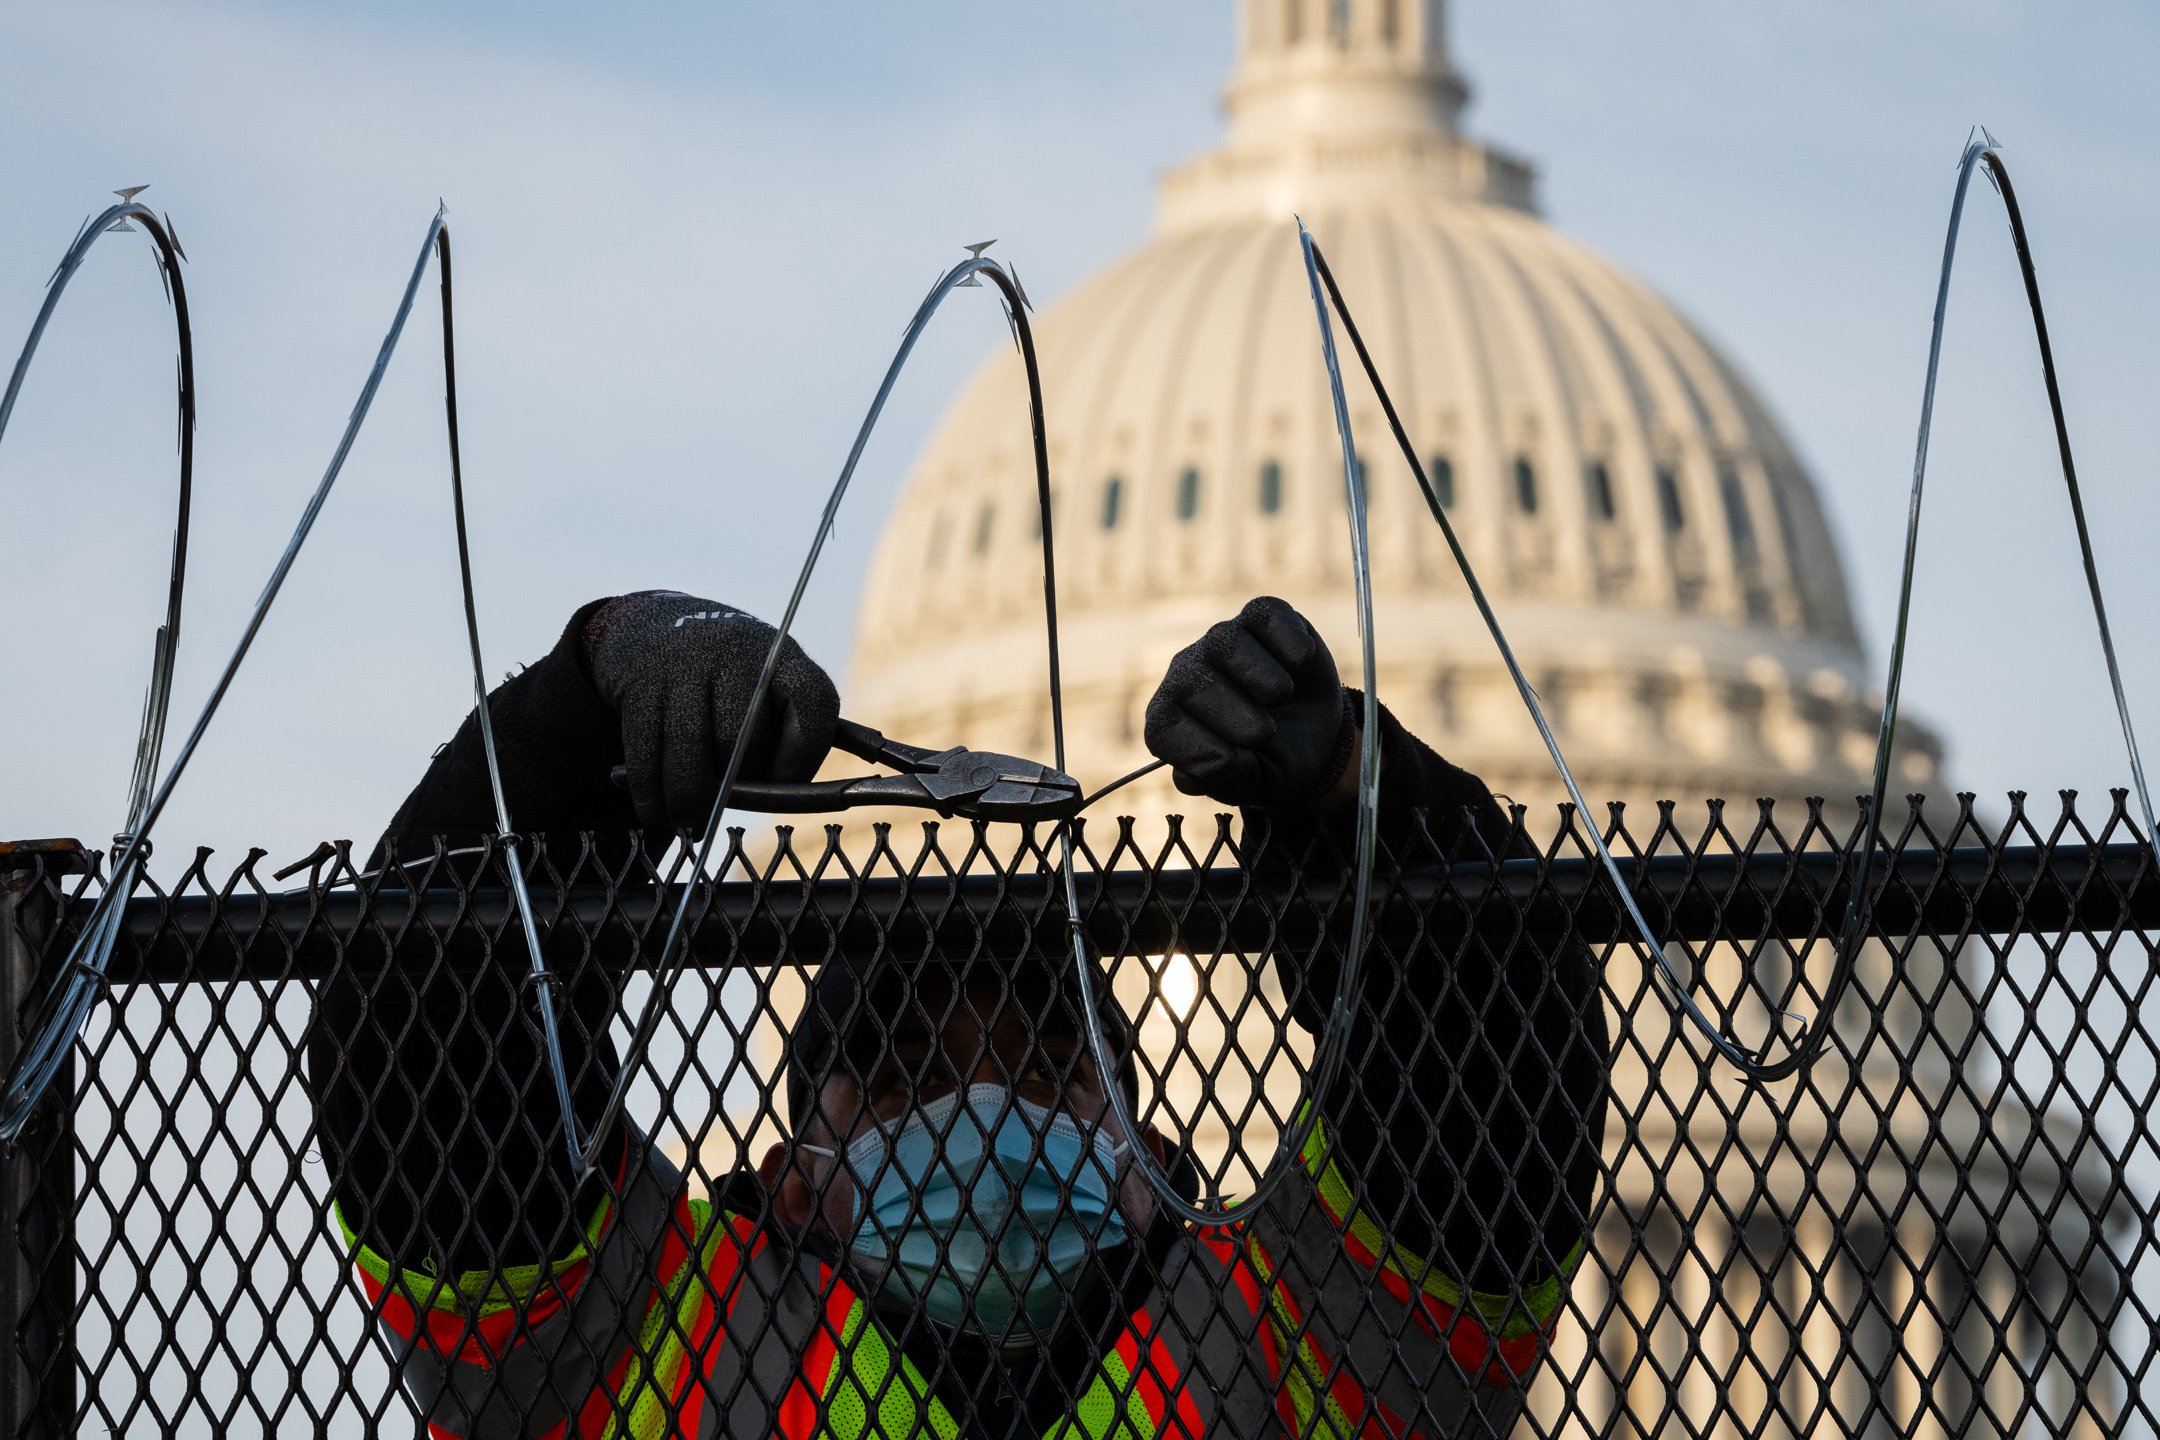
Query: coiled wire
point(673, 949)
point(1859, 904)
point(65, 1006)
point(1333, 1043)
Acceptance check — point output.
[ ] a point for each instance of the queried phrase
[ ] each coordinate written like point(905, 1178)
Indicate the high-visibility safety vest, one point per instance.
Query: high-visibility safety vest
point(676, 1318)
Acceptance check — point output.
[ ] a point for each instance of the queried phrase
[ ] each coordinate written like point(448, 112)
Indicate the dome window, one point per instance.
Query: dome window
point(1737, 519)
point(984, 520)
point(1441, 471)
point(1668, 494)
point(1113, 492)
point(1188, 493)
point(1270, 487)
point(1601, 491)
point(1525, 485)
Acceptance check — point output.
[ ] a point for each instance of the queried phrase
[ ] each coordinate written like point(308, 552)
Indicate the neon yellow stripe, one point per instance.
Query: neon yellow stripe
point(650, 1380)
point(476, 1293)
point(1096, 1415)
point(1304, 1378)
point(1506, 1316)
point(863, 1398)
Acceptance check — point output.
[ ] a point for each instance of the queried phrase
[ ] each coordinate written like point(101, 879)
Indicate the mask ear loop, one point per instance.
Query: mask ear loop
point(1334, 1040)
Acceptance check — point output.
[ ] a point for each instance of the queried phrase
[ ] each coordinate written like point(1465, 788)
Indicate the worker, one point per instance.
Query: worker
point(952, 1239)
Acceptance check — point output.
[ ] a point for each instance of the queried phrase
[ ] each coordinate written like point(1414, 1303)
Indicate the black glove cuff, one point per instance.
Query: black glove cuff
point(1345, 748)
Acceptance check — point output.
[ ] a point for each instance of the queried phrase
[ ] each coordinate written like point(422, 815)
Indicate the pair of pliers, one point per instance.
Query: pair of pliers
point(969, 784)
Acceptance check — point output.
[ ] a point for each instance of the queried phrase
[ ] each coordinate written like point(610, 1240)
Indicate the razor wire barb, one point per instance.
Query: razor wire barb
point(1853, 926)
point(68, 1003)
point(61, 1013)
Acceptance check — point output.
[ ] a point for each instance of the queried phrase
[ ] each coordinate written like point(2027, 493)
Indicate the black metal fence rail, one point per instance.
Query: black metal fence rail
point(302, 934)
point(1951, 1225)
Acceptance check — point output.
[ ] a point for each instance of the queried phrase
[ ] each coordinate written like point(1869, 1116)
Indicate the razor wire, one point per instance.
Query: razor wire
point(68, 1006)
point(65, 1007)
point(68, 1003)
point(1853, 927)
point(1333, 1042)
point(674, 951)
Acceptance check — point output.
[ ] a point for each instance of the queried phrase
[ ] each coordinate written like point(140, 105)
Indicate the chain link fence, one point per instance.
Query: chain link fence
point(1944, 1227)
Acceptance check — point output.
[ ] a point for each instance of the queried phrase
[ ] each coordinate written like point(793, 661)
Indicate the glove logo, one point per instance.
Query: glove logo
point(723, 613)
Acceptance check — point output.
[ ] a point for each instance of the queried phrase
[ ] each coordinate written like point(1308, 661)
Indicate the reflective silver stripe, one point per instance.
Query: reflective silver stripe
point(1216, 1340)
point(774, 1314)
point(1366, 1331)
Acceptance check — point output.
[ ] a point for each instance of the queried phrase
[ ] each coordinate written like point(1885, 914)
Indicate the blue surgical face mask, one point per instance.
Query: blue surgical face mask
point(981, 1208)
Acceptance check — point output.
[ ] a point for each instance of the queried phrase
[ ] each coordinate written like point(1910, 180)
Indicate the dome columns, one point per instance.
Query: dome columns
point(1411, 33)
point(1334, 91)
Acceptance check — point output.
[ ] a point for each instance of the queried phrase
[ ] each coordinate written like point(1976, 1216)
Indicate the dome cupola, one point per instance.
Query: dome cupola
point(1333, 99)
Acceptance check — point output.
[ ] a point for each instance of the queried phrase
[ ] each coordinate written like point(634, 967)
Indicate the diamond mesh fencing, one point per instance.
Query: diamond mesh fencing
point(305, 1172)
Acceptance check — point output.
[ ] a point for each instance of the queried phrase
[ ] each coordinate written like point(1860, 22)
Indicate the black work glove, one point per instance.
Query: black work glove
point(679, 672)
point(1252, 713)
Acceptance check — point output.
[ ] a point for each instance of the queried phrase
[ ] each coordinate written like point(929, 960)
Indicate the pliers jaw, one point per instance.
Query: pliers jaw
point(956, 782)
point(983, 785)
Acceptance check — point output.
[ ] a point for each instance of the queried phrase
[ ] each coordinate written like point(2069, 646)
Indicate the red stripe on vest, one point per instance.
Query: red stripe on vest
point(1152, 1373)
point(1469, 1340)
point(487, 1339)
point(801, 1408)
point(1229, 1247)
point(457, 1336)
point(688, 1397)
point(1161, 1384)
point(742, 1240)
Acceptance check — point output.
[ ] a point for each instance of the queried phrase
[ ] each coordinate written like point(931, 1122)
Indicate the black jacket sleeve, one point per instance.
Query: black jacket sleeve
point(435, 1105)
point(557, 739)
point(1470, 1112)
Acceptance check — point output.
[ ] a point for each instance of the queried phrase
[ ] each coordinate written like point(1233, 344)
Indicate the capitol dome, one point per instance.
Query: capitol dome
point(1664, 570)
point(1655, 549)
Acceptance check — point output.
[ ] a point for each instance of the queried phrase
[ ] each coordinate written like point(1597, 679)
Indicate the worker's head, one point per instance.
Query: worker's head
point(953, 1132)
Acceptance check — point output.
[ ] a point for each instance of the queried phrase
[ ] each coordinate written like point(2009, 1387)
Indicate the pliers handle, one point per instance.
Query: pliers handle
point(969, 784)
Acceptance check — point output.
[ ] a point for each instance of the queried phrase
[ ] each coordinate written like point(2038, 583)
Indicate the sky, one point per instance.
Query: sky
point(689, 235)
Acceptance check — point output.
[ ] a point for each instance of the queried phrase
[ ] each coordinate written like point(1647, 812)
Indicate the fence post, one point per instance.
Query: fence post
point(37, 1177)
